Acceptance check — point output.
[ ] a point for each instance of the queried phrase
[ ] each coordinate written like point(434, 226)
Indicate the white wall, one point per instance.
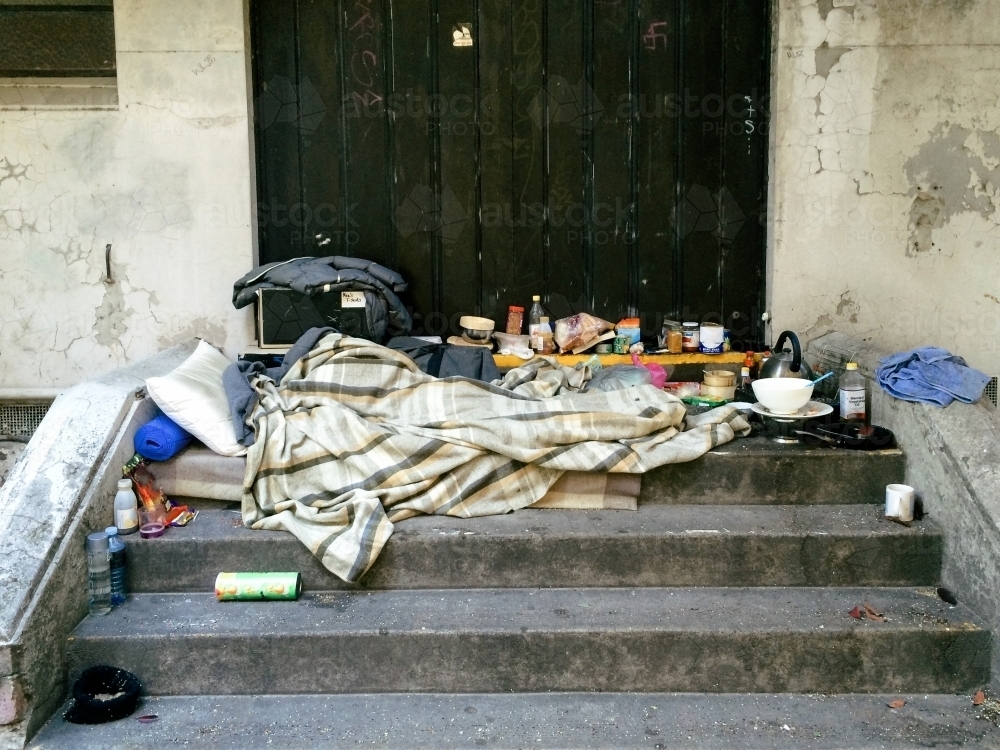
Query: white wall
point(165, 178)
point(886, 173)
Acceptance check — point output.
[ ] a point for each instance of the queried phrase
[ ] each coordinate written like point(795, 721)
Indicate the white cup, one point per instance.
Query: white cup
point(899, 501)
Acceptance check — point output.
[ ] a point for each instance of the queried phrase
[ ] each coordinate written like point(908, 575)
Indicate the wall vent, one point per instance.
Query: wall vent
point(19, 421)
point(991, 390)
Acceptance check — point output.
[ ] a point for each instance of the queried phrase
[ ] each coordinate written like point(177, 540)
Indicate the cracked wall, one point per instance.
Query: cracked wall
point(886, 171)
point(152, 179)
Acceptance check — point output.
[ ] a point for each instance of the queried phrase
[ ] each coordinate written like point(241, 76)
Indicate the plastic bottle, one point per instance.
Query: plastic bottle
point(99, 573)
point(126, 508)
point(546, 338)
point(744, 389)
point(535, 316)
point(117, 549)
point(852, 395)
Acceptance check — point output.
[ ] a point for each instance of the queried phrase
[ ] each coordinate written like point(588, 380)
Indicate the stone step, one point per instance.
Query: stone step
point(657, 545)
point(607, 721)
point(795, 640)
point(760, 471)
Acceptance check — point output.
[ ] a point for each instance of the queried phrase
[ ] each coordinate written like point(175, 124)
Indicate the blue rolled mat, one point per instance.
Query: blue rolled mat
point(161, 439)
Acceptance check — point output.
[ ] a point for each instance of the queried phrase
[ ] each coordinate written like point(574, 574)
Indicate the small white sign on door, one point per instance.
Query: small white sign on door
point(352, 299)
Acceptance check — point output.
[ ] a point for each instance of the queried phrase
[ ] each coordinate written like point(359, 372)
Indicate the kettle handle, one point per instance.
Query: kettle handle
point(796, 349)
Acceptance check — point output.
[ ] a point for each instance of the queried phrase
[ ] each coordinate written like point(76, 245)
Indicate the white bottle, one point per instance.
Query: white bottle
point(126, 508)
point(852, 394)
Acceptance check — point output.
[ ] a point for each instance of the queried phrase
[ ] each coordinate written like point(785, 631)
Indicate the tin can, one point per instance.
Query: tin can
point(622, 343)
point(256, 586)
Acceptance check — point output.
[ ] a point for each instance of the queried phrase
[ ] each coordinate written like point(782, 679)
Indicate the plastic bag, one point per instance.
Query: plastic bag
point(619, 377)
point(578, 329)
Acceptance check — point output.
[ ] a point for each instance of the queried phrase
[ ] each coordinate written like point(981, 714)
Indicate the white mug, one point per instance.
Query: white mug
point(899, 501)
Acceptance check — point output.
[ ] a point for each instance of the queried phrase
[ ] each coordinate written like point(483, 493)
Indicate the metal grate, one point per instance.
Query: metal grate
point(21, 420)
point(991, 390)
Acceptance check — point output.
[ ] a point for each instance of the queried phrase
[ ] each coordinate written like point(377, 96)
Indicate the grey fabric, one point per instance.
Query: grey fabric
point(333, 274)
point(236, 380)
point(448, 360)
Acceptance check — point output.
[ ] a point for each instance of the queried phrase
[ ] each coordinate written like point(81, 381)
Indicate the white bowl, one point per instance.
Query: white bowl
point(783, 395)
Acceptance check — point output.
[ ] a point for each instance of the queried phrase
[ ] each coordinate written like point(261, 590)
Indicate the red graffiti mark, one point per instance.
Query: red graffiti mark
point(657, 30)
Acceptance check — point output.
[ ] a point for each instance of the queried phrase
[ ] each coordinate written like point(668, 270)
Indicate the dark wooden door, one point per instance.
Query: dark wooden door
point(609, 155)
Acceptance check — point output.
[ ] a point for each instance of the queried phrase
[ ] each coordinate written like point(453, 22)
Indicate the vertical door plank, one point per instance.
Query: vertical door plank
point(703, 122)
point(609, 218)
point(657, 106)
point(276, 114)
point(367, 205)
point(564, 122)
point(527, 208)
point(412, 216)
point(496, 137)
point(320, 217)
point(744, 164)
point(459, 196)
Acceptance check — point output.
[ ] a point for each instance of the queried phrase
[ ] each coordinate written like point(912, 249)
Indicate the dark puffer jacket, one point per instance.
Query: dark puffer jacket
point(334, 273)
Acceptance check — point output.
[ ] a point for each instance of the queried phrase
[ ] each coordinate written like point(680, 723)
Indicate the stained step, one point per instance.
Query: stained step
point(657, 545)
point(609, 721)
point(759, 471)
point(799, 640)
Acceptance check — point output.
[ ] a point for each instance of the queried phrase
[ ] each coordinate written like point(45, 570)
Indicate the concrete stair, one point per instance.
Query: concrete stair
point(731, 584)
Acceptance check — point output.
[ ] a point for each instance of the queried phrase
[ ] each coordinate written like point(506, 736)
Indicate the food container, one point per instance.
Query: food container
point(515, 320)
point(728, 392)
point(674, 339)
point(621, 344)
point(475, 329)
point(783, 395)
point(722, 378)
point(710, 338)
point(255, 586)
point(691, 338)
point(682, 389)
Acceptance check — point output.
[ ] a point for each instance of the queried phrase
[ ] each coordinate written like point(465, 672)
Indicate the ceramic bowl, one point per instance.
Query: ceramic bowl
point(783, 395)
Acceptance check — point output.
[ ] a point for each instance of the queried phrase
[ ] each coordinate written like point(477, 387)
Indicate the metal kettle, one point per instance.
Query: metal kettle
point(783, 364)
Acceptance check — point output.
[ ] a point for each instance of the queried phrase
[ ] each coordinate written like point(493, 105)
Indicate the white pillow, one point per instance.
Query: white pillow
point(194, 397)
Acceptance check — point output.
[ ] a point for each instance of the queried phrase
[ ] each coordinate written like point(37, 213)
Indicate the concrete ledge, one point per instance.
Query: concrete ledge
point(60, 490)
point(953, 461)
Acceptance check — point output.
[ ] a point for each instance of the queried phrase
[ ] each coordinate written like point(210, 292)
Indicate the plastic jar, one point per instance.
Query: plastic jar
point(675, 338)
point(515, 320)
point(691, 337)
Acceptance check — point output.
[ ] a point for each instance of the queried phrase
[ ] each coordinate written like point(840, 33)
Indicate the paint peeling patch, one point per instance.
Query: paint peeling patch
point(200, 328)
point(827, 57)
point(956, 170)
point(847, 307)
point(112, 317)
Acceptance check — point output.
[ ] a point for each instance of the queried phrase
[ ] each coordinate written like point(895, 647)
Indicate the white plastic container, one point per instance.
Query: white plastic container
point(126, 508)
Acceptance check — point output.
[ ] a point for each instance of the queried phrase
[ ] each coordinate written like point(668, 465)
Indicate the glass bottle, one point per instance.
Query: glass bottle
point(852, 395)
point(535, 323)
point(116, 547)
point(675, 337)
point(98, 573)
point(744, 389)
point(126, 508)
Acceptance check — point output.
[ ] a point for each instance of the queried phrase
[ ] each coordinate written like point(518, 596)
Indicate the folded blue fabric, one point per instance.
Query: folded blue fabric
point(930, 375)
point(161, 438)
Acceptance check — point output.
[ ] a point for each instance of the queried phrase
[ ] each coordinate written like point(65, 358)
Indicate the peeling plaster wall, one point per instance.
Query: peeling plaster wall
point(166, 180)
point(886, 176)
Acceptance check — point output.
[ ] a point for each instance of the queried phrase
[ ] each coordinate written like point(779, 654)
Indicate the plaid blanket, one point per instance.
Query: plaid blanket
point(355, 438)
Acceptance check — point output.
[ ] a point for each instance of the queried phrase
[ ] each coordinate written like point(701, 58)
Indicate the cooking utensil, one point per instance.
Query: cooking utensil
point(852, 436)
point(782, 395)
point(783, 364)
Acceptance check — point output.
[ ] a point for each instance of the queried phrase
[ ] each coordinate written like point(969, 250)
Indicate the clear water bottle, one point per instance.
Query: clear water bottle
point(535, 323)
point(117, 549)
point(99, 573)
point(126, 508)
point(852, 395)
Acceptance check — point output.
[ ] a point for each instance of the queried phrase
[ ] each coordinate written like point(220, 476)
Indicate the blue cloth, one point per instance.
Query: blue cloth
point(931, 376)
point(161, 438)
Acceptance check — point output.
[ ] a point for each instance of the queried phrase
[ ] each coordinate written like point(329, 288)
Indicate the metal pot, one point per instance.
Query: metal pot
point(784, 364)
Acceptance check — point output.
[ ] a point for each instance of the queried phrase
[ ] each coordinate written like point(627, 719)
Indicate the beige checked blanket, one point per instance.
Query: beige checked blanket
point(355, 438)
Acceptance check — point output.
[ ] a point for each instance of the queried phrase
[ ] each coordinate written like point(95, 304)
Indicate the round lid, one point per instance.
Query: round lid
point(852, 365)
point(536, 298)
point(111, 531)
point(543, 319)
point(515, 308)
point(475, 323)
point(97, 542)
point(691, 324)
point(124, 484)
point(745, 371)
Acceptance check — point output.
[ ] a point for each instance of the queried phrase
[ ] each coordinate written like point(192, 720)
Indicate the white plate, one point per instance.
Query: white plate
point(810, 410)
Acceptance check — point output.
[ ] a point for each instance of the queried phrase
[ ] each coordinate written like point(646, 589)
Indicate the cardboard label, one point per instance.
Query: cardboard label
point(352, 299)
